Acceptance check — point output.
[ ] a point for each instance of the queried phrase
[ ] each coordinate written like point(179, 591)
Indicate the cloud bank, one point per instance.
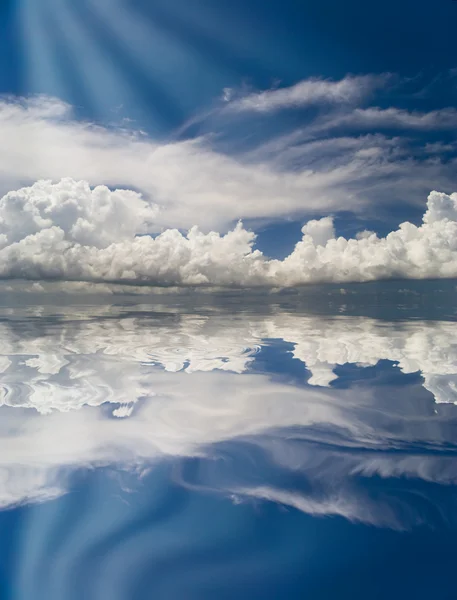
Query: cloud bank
point(68, 231)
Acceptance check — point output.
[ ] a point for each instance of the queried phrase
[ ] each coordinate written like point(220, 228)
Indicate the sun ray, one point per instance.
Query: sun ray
point(115, 39)
point(41, 62)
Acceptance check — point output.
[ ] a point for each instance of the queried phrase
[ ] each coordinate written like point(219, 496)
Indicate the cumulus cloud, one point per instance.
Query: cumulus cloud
point(67, 231)
point(88, 217)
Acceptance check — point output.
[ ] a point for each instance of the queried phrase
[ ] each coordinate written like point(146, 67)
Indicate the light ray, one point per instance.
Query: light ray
point(41, 63)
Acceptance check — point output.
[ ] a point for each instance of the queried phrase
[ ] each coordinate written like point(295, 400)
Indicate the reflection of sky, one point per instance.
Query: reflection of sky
point(180, 381)
point(116, 355)
point(193, 450)
point(139, 442)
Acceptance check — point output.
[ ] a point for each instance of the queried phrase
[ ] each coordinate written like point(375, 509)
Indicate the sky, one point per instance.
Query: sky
point(296, 136)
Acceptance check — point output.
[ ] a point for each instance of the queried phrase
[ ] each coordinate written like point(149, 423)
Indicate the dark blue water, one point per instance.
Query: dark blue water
point(206, 446)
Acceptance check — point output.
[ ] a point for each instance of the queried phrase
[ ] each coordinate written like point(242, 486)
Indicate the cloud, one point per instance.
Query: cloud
point(66, 231)
point(379, 118)
point(183, 179)
point(349, 504)
point(97, 217)
point(201, 181)
point(312, 91)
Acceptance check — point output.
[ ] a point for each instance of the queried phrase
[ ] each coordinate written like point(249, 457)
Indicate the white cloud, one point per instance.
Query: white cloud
point(88, 217)
point(314, 91)
point(320, 231)
point(375, 118)
point(349, 504)
point(66, 231)
point(193, 182)
point(189, 181)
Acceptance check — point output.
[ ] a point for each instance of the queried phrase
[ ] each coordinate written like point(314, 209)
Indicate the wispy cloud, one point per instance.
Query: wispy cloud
point(378, 118)
point(196, 182)
point(350, 89)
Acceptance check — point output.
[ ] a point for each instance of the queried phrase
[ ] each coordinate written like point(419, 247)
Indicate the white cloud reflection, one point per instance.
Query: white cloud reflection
point(77, 359)
point(185, 386)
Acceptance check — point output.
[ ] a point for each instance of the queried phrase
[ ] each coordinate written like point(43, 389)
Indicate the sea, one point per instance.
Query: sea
point(230, 444)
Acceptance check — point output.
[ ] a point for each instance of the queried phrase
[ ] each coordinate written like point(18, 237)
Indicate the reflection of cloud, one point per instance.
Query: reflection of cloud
point(81, 360)
point(327, 441)
point(199, 399)
point(322, 344)
point(187, 414)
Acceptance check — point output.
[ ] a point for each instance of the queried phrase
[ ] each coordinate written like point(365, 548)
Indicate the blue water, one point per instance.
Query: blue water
point(230, 445)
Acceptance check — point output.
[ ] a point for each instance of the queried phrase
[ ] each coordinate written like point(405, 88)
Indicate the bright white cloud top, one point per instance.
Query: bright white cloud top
point(68, 231)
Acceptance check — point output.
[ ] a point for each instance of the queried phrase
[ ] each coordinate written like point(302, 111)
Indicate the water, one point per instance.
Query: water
point(229, 445)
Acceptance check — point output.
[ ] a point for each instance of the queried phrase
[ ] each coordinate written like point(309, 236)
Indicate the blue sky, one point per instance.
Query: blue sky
point(272, 112)
point(194, 49)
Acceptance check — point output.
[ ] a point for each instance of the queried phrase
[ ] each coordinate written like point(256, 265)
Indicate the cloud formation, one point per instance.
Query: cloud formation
point(312, 91)
point(183, 178)
point(222, 176)
point(393, 118)
point(97, 217)
point(66, 231)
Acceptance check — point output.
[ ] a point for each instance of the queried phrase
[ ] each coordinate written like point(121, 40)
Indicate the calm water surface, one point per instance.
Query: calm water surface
point(232, 446)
